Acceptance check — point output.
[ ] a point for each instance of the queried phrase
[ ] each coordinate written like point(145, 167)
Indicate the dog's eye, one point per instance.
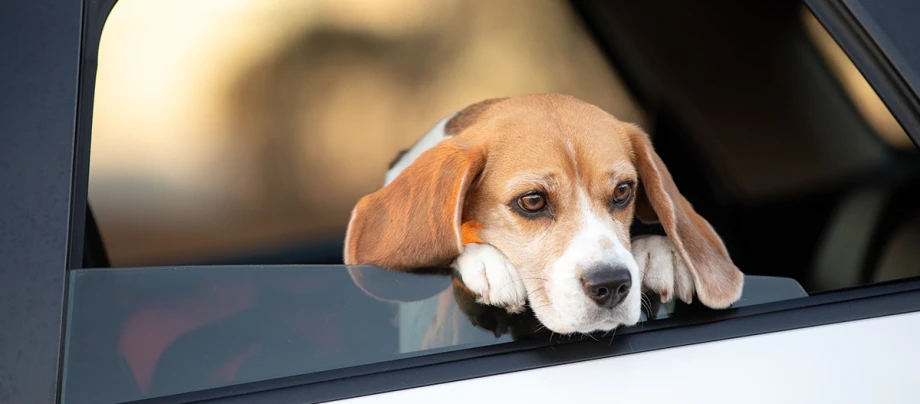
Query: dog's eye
point(532, 202)
point(622, 193)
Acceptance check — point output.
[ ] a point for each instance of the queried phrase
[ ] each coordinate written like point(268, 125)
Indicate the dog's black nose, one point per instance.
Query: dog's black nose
point(607, 285)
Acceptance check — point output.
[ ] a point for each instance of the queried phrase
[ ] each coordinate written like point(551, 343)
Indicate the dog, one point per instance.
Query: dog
point(530, 199)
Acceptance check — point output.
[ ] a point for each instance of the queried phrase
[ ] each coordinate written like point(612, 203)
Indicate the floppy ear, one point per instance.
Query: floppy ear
point(414, 221)
point(717, 280)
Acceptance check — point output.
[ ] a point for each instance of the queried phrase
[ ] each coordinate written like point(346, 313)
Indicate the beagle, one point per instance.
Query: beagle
point(530, 199)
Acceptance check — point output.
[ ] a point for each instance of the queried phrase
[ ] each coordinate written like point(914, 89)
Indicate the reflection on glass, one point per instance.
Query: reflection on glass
point(149, 332)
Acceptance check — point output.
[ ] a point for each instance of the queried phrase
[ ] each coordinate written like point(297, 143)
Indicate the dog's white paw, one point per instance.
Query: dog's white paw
point(663, 270)
point(489, 274)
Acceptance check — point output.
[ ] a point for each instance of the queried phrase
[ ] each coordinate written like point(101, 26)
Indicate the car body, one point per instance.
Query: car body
point(843, 337)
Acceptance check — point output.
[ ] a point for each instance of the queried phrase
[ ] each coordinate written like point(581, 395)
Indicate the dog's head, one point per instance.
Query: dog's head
point(553, 183)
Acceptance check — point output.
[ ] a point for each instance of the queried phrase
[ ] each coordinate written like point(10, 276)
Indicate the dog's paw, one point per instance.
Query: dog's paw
point(663, 270)
point(487, 272)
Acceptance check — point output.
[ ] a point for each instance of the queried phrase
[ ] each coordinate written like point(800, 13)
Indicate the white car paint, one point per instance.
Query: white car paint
point(866, 361)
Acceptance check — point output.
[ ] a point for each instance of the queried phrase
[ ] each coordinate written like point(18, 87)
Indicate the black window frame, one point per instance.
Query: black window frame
point(854, 25)
point(47, 81)
point(43, 45)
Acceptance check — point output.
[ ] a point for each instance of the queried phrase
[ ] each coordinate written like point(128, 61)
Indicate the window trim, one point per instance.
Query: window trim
point(95, 13)
point(37, 143)
point(846, 22)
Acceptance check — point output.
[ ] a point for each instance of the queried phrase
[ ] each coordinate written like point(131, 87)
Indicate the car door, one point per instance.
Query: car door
point(58, 294)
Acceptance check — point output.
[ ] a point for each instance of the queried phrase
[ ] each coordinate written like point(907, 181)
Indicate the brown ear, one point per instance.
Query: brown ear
point(414, 222)
point(717, 280)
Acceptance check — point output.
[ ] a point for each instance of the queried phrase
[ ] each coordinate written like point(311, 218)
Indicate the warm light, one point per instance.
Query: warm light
point(230, 124)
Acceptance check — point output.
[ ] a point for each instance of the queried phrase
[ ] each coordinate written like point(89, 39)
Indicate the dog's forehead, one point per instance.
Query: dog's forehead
point(533, 133)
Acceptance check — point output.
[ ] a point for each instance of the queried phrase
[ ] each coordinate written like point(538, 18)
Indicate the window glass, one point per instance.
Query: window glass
point(226, 128)
point(149, 332)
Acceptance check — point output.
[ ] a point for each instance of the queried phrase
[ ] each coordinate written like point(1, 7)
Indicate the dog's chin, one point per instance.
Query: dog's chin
point(588, 318)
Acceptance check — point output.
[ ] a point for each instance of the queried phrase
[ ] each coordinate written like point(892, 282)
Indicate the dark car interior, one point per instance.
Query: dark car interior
point(757, 133)
point(765, 143)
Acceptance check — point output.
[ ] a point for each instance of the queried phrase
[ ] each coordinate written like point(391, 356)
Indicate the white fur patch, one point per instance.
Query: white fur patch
point(663, 271)
point(595, 244)
point(431, 139)
point(489, 274)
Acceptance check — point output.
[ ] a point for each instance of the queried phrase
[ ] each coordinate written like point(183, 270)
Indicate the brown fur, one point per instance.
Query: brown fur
point(552, 143)
point(413, 222)
point(466, 117)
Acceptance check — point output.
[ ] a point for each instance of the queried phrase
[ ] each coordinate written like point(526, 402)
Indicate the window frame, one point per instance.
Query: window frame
point(38, 123)
point(44, 167)
point(853, 25)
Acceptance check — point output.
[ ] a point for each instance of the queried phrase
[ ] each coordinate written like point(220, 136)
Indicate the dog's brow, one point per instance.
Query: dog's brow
point(546, 181)
point(620, 170)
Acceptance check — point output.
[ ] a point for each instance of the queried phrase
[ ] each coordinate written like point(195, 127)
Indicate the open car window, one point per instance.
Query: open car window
point(225, 163)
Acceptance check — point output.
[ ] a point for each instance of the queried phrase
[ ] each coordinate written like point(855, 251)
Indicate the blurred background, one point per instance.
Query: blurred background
point(224, 126)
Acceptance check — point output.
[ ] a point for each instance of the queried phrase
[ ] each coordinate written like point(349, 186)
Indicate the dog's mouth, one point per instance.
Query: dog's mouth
point(541, 316)
point(613, 319)
point(589, 319)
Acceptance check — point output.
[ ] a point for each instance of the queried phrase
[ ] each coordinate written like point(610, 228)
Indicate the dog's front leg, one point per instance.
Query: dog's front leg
point(663, 270)
point(489, 274)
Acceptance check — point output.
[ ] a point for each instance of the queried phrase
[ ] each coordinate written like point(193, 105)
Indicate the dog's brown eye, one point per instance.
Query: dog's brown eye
point(622, 193)
point(532, 202)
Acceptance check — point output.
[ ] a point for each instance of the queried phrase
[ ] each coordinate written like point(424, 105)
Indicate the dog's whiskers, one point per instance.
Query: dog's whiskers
point(646, 303)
